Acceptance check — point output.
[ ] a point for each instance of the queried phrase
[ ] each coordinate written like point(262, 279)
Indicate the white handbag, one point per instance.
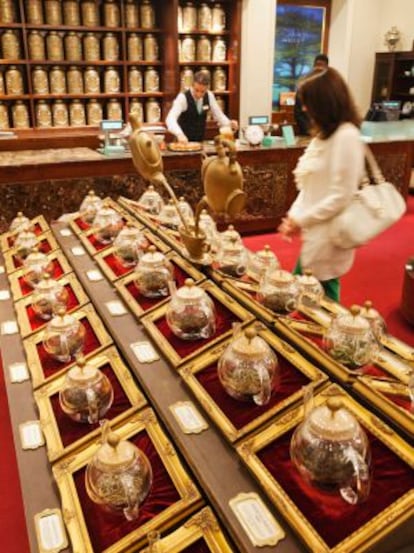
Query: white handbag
point(376, 206)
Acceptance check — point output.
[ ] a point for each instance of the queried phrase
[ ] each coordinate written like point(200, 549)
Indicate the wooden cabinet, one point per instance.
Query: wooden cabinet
point(76, 58)
point(393, 77)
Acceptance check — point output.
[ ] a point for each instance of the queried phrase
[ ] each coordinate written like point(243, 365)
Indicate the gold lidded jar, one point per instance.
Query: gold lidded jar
point(43, 114)
point(151, 80)
point(218, 18)
point(74, 79)
point(114, 109)
point(135, 47)
point(112, 83)
point(57, 79)
point(147, 15)
point(49, 295)
point(64, 336)
point(94, 112)
point(71, 13)
point(111, 14)
point(152, 111)
point(135, 80)
point(40, 82)
point(204, 17)
point(60, 114)
point(7, 12)
point(20, 115)
point(187, 49)
point(53, 12)
point(219, 51)
point(189, 17)
point(203, 49)
point(151, 51)
point(36, 45)
point(4, 116)
point(187, 78)
point(136, 108)
point(92, 80)
point(77, 114)
point(91, 47)
point(110, 47)
point(90, 16)
point(34, 12)
point(54, 45)
point(219, 79)
point(73, 47)
point(131, 14)
point(14, 81)
point(154, 274)
point(10, 45)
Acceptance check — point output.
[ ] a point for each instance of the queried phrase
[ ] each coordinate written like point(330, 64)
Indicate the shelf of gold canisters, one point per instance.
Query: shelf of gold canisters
point(71, 64)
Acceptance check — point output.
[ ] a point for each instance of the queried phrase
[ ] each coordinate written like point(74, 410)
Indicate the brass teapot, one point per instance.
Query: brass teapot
point(119, 477)
point(86, 394)
point(64, 336)
point(247, 369)
point(89, 207)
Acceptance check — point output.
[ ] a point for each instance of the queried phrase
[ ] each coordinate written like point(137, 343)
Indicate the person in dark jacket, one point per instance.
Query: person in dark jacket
point(188, 114)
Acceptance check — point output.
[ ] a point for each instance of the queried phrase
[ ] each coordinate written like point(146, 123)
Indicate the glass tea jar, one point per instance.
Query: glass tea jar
point(189, 21)
point(136, 108)
point(114, 109)
point(14, 81)
point(219, 50)
point(147, 14)
point(229, 236)
point(168, 216)
point(374, 318)
point(152, 111)
point(73, 47)
point(87, 394)
point(154, 274)
point(36, 265)
point(219, 80)
point(151, 201)
point(92, 82)
point(350, 340)
point(151, 50)
point(107, 224)
point(10, 45)
point(64, 336)
point(135, 47)
point(218, 18)
point(20, 223)
point(135, 80)
point(119, 477)
point(91, 47)
point(24, 244)
point(20, 115)
point(36, 43)
point(331, 451)
point(131, 14)
point(112, 82)
point(209, 227)
point(49, 296)
point(89, 207)
point(185, 210)
point(53, 12)
point(187, 78)
point(57, 80)
point(34, 12)
point(71, 13)
point(129, 245)
point(151, 80)
point(111, 14)
point(262, 261)
point(232, 258)
point(43, 114)
point(94, 112)
point(191, 313)
point(203, 49)
point(54, 45)
point(204, 17)
point(278, 291)
point(310, 289)
point(90, 15)
point(7, 12)
point(110, 47)
point(77, 114)
point(187, 49)
point(40, 81)
point(247, 369)
point(74, 79)
point(4, 117)
point(60, 114)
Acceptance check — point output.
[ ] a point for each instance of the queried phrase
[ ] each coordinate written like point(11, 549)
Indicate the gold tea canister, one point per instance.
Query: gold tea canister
point(114, 109)
point(34, 12)
point(152, 111)
point(36, 45)
point(180, 19)
point(112, 16)
point(112, 82)
point(187, 78)
point(2, 85)
point(91, 80)
point(91, 47)
point(189, 17)
point(94, 112)
point(7, 12)
point(90, 16)
point(4, 116)
point(71, 13)
point(135, 80)
point(73, 47)
point(219, 79)
point(151, 80)
point(135, 47)
point(10, 45)
point(20, 115)
point(204, 17)
point(53, 12)
point(57, 80)
point(131, 14)
point(14, 81)
point(203, 49)
point(147, 15)
point(110, 47)
point(43, 114)
point(218, 18)
point(60, 114)
point(77, 114)
point(151, 51)
point(54, 44)
point(74, 79)
point(219, 52)
point(40, 81)
point(187, 49)
point(136, 108)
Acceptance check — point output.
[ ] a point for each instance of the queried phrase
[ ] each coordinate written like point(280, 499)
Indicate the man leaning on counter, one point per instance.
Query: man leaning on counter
point(188, 114)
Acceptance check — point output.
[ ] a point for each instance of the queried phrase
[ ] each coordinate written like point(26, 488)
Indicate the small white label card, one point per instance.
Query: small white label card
point(50, 531)
point(256, 519)
point(1, 269)
point(116, 308)
point(78, 251)
point(144, 352)
point(9, 327)
point(18, 372)
point(94, 275)
point(31, 435)
point(4, 295)
point(188, 417)
point(65, 232)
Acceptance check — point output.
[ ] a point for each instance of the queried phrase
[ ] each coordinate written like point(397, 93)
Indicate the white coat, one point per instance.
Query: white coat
point(327, 175)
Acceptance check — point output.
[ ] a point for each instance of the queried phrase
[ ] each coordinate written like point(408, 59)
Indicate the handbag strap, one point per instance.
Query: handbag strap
point(373, 166)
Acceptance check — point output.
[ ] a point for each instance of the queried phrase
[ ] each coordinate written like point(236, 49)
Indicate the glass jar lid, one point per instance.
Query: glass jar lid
point(190, 291)
point(352, 322)
point(62, 321)
point(230, 234)
point(249, 344)
point(153, 258)
point(19, 221)
point(115, 453)
point(279, 277)
point(331, 421)
point(82, 373)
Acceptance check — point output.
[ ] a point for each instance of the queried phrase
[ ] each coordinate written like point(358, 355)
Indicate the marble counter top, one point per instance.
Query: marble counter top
point(40, 157)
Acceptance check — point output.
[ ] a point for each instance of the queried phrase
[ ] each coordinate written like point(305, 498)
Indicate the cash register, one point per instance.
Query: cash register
point(113, 142)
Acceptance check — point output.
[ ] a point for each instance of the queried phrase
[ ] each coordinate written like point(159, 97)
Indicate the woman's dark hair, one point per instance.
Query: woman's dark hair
point(328, 101)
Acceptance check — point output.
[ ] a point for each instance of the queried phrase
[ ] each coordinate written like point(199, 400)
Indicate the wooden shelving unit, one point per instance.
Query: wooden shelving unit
point(393, 77)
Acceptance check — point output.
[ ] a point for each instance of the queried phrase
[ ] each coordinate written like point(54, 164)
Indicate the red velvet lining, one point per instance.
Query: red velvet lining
point(37, 229)
point(57, 272)
point(240, 413)
point(117, 268)
point(105, 529)
point(70, 431)
point(81, 224)
point(198, 546)
point(50, 365)
point(147, 303)
point(401, 401)
point(44, 247)
point(36, 322)
point(96, 244)
point(224, 320)
point(330, 515)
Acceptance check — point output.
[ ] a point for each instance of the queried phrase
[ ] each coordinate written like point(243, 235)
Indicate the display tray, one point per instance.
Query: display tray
point(173, 238)
point(79, 226)
point(238, 418)
point(39, 227)
point(199, 534)
point(44, 368)
point(19, 287)
point(46, 244)
point(139, 214)
point(29, 322)
point(178, 351)
point(325, 522)
point(113, 268)
point(173, 495)
point(64, 435)
point(139, 304)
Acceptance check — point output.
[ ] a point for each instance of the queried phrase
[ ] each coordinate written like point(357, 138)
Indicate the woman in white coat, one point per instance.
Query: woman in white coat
point(327, 175)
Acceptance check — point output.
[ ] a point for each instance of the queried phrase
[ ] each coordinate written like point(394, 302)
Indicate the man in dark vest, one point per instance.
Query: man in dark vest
point(188, 114)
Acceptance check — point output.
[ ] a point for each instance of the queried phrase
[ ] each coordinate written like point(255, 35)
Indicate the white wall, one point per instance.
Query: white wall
point(356, 32)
